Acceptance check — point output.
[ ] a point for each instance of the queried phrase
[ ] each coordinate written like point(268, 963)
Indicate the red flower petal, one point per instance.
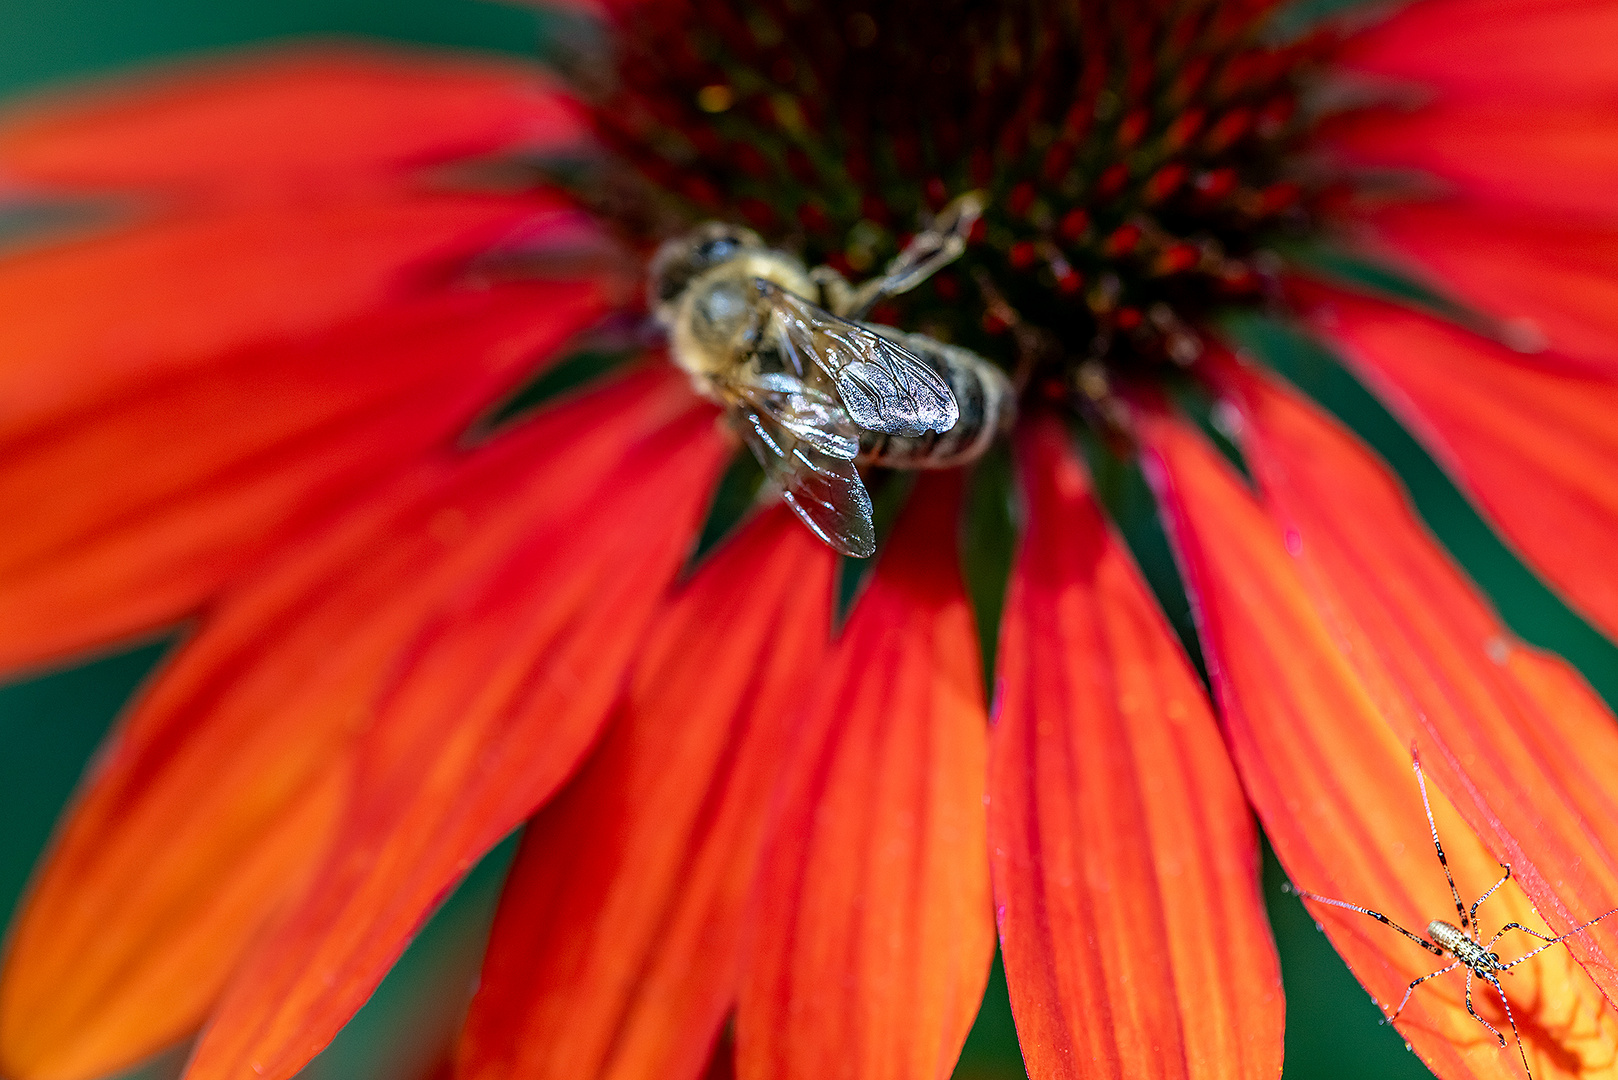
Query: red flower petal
point(205, 812)
point(874, 936)
point(1438, 660)
point(494, 704)
point(281, 121)
point(1500, 50)
point(1531, 438)
point(617, 949)
point(84, 320)
point(145, 505)
point(1328, 770)
point(1125, 860)
point(1546, 280)
point(1560, 158)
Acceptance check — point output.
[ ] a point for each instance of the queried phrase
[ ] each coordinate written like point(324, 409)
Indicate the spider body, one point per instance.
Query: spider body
point(1462, 942)
point(1453, 940)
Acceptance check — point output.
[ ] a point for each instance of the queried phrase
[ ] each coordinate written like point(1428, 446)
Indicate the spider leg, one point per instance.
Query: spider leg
point(1377, 915)
point(1549, 941)
point(1415, 983)
point(1421, 782)
point(1519, 926)
point(1512, 1021)
point(1479, 901)
point(1495, 1031)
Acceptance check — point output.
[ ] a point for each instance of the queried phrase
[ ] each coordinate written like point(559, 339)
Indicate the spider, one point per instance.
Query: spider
point(1461, 942)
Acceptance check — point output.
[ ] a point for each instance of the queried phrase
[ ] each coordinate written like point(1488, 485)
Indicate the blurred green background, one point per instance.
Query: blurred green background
point(49, 726)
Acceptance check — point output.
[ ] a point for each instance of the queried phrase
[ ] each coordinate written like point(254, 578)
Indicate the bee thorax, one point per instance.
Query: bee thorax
point(720, 315)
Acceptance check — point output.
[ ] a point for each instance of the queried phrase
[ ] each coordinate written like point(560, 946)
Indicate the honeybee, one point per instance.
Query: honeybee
point(815, 393)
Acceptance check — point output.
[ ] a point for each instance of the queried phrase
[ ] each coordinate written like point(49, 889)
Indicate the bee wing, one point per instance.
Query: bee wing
point(883, 386)
point(807, 445)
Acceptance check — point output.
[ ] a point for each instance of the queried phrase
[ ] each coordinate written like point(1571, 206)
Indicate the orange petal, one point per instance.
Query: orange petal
point(278, 121)
point(1551, 282)
point(1530, 438)
point(1435, 658)
point(873, 928)
point(1556, 158)
point(1329, 772)
point(1501, 50)
point(144, 506)
point(83, 320)
point(492, 705)
point(1125, 859)
point(215, 795)
point(618, 944)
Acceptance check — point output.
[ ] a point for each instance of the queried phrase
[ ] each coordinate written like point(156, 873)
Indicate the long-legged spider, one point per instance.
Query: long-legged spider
point(1463, 942)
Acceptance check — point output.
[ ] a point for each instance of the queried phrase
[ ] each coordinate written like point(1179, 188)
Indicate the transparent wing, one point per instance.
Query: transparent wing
point(809, 415)
point(807, 445)
point(883, 386)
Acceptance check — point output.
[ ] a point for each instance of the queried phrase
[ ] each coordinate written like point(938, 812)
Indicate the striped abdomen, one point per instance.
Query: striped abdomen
point(982, 393)
point(1449, 937)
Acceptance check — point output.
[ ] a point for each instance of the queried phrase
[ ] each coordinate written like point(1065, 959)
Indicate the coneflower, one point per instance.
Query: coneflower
point(362, 379)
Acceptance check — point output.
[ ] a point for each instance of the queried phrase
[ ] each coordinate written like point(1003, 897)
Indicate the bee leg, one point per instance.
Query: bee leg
point(836, 294)
point(928, 252)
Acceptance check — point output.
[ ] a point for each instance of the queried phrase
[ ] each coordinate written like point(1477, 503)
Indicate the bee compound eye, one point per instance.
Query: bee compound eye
point(713, 252)
point(683, 259)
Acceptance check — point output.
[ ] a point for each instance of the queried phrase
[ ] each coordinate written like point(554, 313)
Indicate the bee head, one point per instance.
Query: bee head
point(683, 259)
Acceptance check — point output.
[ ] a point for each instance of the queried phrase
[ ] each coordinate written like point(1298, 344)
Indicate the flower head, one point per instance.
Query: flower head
point(358, 372)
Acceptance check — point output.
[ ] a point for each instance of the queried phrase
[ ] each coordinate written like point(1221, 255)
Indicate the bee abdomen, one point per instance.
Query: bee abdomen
point(983, 395)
